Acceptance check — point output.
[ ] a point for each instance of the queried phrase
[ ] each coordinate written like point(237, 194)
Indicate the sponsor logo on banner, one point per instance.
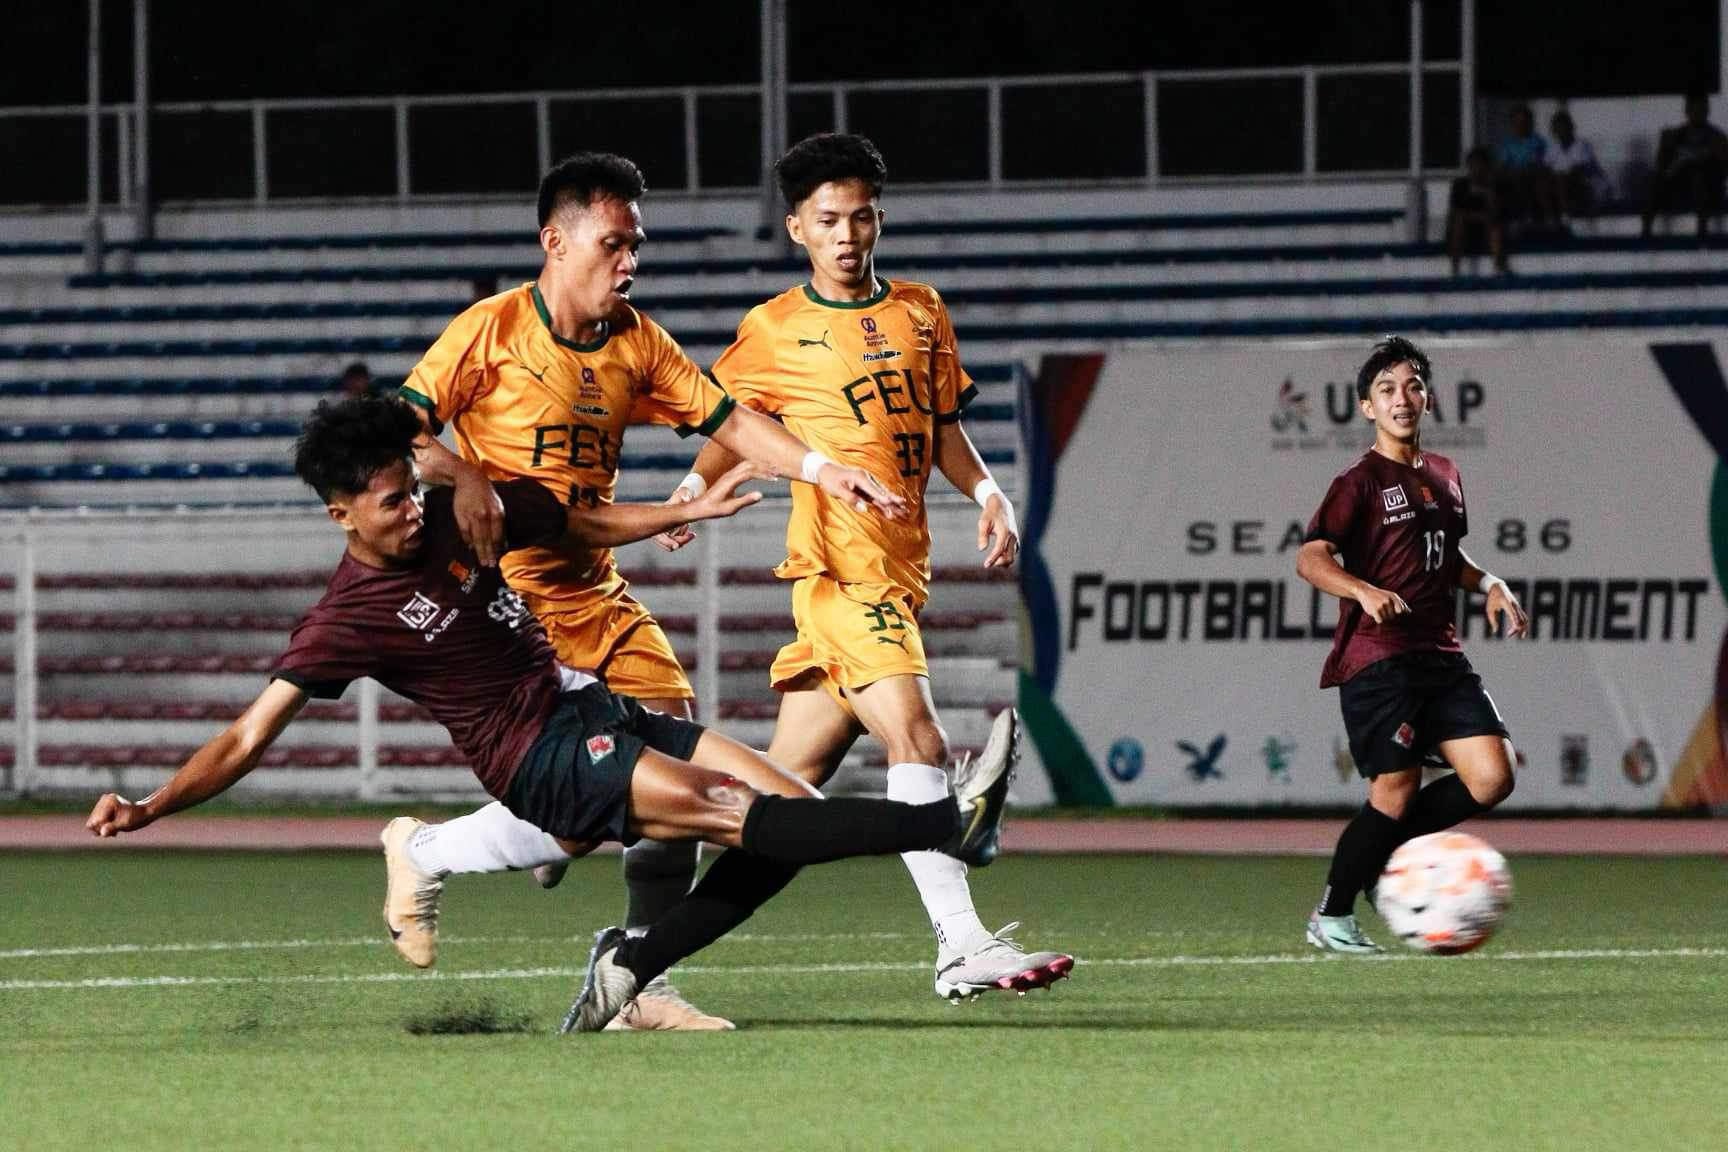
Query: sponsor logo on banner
point(1639, 762)
point(1574, 760)
point(1203, 765)
point(1292, 411)
point(418, 612)
point(600, 747)
point(1127, 759)
point(1276, 754)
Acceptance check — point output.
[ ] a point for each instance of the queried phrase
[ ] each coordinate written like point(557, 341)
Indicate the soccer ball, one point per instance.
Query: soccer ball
point(1445, 893)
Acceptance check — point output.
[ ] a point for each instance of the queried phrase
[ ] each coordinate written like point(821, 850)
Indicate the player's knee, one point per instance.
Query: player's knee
point(726, 800)
point(1496, 788)
point(923, 742)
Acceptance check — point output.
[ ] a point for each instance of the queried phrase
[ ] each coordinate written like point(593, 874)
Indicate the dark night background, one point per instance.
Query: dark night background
point(353, 47)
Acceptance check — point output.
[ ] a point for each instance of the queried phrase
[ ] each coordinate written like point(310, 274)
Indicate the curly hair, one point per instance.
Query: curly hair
point(827, 157)
point(344, 443)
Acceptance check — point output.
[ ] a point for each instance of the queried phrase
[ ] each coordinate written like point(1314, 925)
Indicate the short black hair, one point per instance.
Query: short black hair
point(1391, 350)
point(827, 157)
point(344, 443)
point(586, 177)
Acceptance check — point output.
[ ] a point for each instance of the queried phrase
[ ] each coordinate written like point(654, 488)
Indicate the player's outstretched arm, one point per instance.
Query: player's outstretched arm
point(211, 770)
point(1316, 564)
point(754, 436)
point(712, 462)
point(479, 511)
point(609, 525)
point(958, 460)
point(1501, 605)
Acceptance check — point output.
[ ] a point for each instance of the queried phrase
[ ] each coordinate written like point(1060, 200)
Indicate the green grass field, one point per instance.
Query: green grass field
point(213, 1001)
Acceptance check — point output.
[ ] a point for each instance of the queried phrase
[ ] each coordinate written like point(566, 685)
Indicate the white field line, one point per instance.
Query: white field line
point(373, 941)
point(571, 972)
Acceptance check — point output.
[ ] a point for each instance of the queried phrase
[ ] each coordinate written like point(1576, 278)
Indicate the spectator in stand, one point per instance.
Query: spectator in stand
point(1691, 164)
point(356, 379)
point(1527, 187)
point(1579, 182)
point(1473, 221)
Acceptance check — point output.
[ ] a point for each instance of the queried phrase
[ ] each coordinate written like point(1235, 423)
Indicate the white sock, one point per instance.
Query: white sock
point(940, 878)
point(489, 840)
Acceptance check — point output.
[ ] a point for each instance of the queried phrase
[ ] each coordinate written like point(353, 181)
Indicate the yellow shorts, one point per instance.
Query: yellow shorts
point(855, 633)
point(618, 640)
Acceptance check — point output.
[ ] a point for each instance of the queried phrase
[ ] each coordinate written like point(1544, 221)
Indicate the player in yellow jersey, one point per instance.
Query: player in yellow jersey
point(540, 382)
point(865, 370)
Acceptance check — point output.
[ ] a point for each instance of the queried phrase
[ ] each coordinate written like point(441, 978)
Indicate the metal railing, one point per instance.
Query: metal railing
point(40, 546)
point(1124, 128)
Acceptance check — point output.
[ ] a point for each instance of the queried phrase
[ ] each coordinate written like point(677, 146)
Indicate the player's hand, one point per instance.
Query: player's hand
point(479, 516)
point(1502, 604)
point(115, 814)
point(675, 538)
point(723, 498)
point(998, 533)
point(1381, 605)
point(861, 490)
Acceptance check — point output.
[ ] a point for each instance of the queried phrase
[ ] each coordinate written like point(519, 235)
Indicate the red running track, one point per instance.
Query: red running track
point(1609, 836)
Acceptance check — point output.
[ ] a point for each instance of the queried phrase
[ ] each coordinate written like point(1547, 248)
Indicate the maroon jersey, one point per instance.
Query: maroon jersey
point(444, 632)
point(1397, 526)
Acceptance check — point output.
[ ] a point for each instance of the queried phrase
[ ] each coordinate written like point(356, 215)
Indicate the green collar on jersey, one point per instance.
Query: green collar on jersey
point(546, 319)
point(872, 301)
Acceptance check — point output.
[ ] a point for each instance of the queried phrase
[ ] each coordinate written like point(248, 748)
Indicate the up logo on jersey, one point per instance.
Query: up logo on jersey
point(418, 612)
point(1394, 498)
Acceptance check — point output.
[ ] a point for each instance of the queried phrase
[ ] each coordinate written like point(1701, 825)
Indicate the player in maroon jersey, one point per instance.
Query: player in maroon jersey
point(411, 606)
point(1386, 543)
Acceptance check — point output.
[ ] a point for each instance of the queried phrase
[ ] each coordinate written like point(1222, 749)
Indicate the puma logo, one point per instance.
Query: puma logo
point(898, 642)
point(821, 343)
point(540, 375)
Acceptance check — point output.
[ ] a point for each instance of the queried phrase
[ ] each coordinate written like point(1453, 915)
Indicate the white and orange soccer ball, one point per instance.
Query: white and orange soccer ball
point(1445, 893)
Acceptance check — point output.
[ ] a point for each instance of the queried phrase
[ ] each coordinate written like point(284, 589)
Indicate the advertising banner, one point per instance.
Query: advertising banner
point(1174, 655)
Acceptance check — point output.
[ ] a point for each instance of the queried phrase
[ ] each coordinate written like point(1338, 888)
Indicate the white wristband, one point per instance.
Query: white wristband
point(1487, 584)
point(812, 467)
point(694, 484)
point(987, 488)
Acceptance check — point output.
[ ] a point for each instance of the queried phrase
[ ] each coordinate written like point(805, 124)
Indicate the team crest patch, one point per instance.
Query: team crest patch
point(1394, 498)
point(465, 576)
point(418, 612)
point(1405, 736)
point(600, 747)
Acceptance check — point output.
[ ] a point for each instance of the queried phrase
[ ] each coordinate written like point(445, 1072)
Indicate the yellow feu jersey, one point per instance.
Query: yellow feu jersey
point(865, 383)
point(524, 402)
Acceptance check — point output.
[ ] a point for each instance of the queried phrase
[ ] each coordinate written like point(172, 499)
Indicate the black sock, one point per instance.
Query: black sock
point(657, 874)
point(1439, 806)
point(1363, 849)
point(813, 831)
point(734, 886)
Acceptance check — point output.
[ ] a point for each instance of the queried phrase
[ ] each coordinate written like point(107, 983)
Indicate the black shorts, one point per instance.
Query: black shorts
point(575, 780)
point(1398, 710)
